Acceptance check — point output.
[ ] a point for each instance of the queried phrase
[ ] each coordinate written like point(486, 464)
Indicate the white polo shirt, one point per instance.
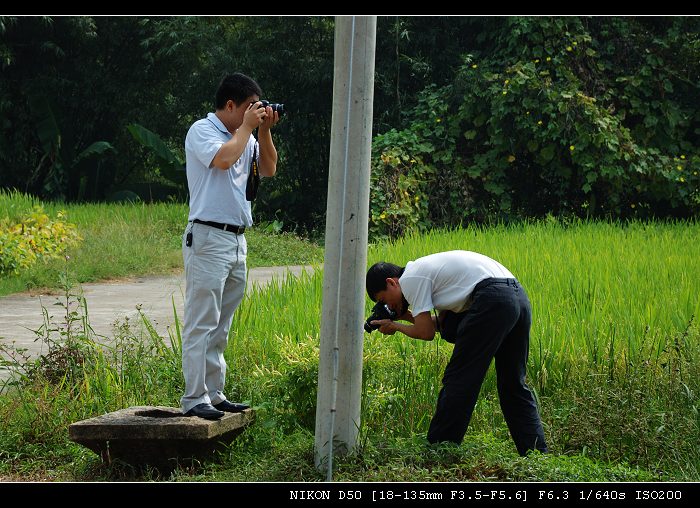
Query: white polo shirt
point(443, 281)
point(217, 195)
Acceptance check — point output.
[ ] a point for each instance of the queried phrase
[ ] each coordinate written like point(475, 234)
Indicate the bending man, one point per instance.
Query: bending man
point(486, 313)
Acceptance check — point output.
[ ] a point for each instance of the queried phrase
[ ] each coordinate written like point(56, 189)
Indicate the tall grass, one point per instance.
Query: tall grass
point(614, 362)
point(614, 344)
point(614, 356)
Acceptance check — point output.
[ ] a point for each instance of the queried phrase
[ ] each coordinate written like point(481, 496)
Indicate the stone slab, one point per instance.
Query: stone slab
point(157, 436)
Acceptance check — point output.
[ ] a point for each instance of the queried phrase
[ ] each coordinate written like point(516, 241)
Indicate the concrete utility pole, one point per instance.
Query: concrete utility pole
point(345, 263)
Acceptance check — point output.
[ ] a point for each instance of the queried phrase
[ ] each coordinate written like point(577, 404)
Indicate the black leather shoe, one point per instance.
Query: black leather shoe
point(206, 411)
point(230, 407)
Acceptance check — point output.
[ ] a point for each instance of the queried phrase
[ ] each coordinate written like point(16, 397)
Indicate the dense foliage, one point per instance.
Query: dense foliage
point(586, 117)
point(475, 118)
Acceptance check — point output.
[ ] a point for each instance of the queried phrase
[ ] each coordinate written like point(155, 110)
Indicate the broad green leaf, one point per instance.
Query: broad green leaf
point(97, 148)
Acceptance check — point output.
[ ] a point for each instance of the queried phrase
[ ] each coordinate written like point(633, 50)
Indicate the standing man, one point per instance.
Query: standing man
point(486, 313)
point(221, 154)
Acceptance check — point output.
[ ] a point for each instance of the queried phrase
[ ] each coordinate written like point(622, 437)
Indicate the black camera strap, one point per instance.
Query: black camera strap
point(437, 321)
point(251, 188)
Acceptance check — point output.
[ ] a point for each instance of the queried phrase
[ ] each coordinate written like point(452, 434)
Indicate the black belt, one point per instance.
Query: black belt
point(239, 230)
point(495, 280)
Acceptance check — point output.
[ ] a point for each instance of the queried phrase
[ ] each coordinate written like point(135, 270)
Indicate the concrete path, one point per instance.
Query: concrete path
point(111, 302)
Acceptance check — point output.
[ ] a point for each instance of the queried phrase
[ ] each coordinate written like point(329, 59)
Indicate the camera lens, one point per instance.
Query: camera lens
point(275, 107)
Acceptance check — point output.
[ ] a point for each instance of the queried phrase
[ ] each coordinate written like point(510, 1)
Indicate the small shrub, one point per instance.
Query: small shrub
point(36, 237)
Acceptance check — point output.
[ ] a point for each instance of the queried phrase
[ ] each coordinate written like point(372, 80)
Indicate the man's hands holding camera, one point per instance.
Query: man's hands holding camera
point(263, 114)
point(385, 326)
point(381, 315)
point(383, 318)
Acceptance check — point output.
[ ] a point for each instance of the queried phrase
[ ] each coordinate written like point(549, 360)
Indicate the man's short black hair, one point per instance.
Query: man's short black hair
point(236, 87)
point(377, 276)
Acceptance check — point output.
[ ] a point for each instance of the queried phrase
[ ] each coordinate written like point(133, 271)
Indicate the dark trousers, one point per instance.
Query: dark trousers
point(496, 325)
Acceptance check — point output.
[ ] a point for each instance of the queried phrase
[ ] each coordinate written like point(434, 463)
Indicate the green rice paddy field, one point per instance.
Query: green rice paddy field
point(614, 362)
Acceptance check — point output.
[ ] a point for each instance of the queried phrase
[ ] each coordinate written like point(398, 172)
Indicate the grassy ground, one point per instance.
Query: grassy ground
point(614, 362)
point(122, 240)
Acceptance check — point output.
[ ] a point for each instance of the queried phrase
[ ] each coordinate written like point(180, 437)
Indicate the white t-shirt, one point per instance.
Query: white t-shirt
point(443, 281)
point(217, 195)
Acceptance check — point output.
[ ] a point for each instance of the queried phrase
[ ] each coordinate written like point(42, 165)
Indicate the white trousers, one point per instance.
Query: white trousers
point(215, 281)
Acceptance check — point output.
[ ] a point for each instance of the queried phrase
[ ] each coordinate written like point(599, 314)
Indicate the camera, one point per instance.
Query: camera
point(275, 107)
point(379, 311)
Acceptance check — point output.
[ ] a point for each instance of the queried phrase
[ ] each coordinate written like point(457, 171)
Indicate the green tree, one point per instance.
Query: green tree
point(456, 111)
point(582, 116)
